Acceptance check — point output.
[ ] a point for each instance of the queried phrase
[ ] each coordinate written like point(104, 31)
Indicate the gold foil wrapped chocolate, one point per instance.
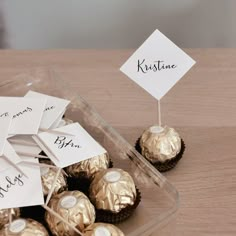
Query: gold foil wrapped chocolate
point(48, 176)
point(5, 214)
point(159, 144)
point(74, 207)
point(101, 229)
point(89, 167)
point(112, 189)
point(24, 227)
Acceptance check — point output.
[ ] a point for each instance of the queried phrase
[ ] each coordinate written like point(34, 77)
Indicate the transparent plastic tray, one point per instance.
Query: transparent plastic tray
point(160, 199)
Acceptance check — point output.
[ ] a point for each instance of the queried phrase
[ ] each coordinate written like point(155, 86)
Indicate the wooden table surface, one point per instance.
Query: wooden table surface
point(201, 107)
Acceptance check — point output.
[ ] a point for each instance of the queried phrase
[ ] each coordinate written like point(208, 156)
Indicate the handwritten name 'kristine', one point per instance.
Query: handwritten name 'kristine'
point(155, 66)
point(17, 180)
point(63, 142)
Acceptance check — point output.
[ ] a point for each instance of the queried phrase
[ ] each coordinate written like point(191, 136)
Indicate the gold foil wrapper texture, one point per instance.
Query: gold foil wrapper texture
point(160, 144)
point(74, 207)
point(47, 176)
point(89, 167)
point(24, 227)
point(101, 229)
point(112, 189)
point(5, 213)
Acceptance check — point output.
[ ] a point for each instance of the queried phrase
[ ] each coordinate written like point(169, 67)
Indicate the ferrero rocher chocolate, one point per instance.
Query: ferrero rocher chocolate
point(101, 229)
point(48, 176)
point(24, 227)
point(112, 189)
point(74, 207)
point(4, 215)
point(159, 144)
point(89, 167)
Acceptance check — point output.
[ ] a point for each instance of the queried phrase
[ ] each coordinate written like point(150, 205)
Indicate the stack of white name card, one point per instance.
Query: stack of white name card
point(29, 125)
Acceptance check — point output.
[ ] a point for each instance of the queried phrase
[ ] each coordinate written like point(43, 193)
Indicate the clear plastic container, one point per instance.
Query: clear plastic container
point(156, 213)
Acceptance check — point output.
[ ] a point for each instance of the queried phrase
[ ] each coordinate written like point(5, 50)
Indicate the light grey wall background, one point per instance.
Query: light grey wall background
point(37, 24)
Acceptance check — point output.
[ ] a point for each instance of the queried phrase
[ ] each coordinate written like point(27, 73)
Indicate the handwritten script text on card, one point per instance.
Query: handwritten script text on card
point(157, 65)
point(63, 142)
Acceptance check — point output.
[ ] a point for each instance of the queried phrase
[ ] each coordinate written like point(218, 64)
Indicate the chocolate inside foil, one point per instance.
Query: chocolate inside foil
point(74, 207)
point(48, 176)
point(89, 167)
point(113, 190)
point(4, 215)
point(24, 227)
point(159, 144)
point(102, 229)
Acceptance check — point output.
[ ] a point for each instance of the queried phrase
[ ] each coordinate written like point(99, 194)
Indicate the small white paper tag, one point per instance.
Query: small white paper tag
point(17, 226)
point(54, 108)
point(11, 155)
point(5, 122)
point(112, 176)
point(69, 149)
point(18, 191)
point(102, 231)
point(157, 65)
point(26, 113)
point(68, 202)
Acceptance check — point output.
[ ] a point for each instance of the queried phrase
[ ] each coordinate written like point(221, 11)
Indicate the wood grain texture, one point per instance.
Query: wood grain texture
point(201, 106)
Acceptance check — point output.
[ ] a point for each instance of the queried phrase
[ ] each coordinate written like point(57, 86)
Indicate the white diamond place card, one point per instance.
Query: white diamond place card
point(157, 65)
point(5, 122)
point(54, 108)
point(65, 150)
point(9, 154)
point(18, 191)
point(26, 113)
